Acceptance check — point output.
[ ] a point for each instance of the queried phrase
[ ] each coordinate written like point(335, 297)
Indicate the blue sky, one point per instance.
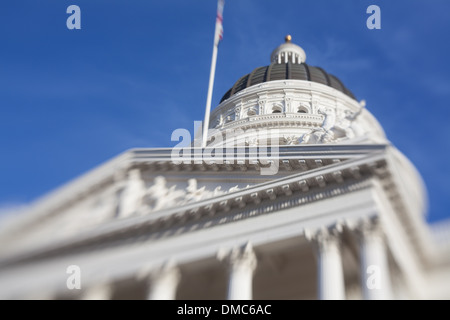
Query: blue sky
point(137, 70)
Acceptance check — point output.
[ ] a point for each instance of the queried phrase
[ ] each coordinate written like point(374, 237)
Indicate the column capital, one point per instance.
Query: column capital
point(325, 237)
point(239, 257)
point(368, 227)
point(329, 263)
point(241, 263)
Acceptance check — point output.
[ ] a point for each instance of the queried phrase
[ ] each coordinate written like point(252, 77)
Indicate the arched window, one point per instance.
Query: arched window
point(229, 118)
point(251, 112)
point(277, 109)
point(302, 110)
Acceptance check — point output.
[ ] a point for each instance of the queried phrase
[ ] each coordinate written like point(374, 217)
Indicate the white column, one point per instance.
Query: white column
point(241, 266)
point(100, 291)
point(375, 279)
point(330, 272)
point(164, 283)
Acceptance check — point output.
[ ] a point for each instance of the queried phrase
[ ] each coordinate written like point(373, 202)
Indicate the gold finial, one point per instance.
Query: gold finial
point(288, 38)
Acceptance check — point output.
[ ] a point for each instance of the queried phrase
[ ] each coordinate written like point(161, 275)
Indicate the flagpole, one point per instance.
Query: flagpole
point(209, 97)
point(217, 32)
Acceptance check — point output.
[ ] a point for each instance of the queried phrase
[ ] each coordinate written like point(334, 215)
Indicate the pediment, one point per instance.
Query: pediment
point(147, 187)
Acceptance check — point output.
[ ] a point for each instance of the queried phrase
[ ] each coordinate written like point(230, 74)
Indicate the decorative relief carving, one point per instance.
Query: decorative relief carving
point(159, 196)
point(291, 140)
point(251, 142)
point(336, 126)
point(132, 195)
point(346, 125)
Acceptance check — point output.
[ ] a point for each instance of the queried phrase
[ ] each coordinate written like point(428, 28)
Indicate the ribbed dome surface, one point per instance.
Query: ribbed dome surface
point(285, 71)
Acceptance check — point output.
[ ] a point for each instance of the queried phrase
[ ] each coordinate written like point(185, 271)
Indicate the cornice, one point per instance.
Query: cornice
point(294, 190)
point(160, 159)
point(276, 120)
point(114, 172)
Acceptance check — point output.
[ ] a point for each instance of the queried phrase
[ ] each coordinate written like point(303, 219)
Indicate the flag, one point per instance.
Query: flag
point(219, 22)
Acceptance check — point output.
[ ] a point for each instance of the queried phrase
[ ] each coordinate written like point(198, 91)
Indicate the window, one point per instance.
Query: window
point(277, 109)
point(229, 119)
point(251, 112)
point(302, 110)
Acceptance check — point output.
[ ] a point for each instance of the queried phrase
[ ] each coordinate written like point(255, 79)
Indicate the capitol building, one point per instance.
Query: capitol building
point(298, 195)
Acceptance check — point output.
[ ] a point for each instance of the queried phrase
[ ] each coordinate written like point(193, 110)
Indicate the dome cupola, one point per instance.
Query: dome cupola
point(288, 52)
point(289, 103)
